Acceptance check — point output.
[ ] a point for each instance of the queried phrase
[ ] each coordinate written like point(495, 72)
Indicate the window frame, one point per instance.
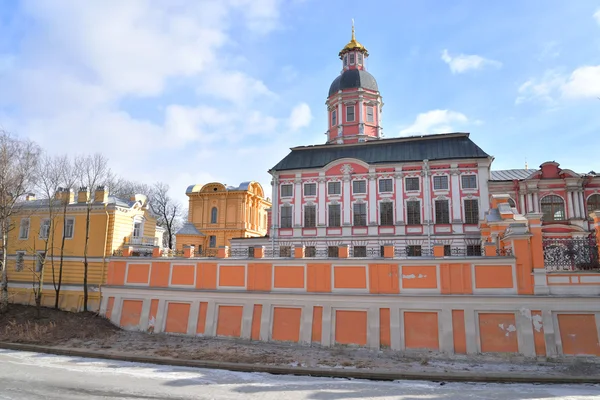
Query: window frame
point(468, 217)
point(357, 217)
point(409, 213)
point(308, 223)
point(40, 258)
point(28, 220)
point(588, 204)
point(212, 241)
point(72, 228)
point(20, 264)
point(438, 213)
point(359, 254)
point(353, 108)
point(414, 250)
point(337, 184)
point(333, 117)
point(358, 181)
point(352, 59)
point(554, 211)
point(310, 251)
point(312, 185)
point(214, 215)
point(441, 178)
point(359, 58)
point(286, 185)
point(281, 216)
point(391, 181)
point(462, 181)
point(370, 114)
point(45, 228)
point(389, 215)
point(412, 179)
point(330, 216)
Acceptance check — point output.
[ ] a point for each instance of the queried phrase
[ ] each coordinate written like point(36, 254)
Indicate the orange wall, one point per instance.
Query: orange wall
point(229, 322)
point(498, 333)
point(286, 324)
point(578, 334)
point(421, 330)
point(131, 313)
point(351, 327)
point(177, 317)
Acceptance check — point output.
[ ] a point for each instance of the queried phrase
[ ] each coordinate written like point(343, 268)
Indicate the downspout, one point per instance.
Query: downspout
point(103, 258)
point(428, 202)
point(274, 195)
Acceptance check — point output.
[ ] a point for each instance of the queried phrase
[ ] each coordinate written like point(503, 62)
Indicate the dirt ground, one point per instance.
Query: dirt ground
point(89, 331)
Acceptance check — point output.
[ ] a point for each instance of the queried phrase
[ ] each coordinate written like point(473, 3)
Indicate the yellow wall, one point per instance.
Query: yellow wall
point(240, 213)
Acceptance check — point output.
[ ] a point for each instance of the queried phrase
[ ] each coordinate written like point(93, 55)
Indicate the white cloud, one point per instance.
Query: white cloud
point(464, 62)
point(597, 16)
point(235, 86)
point(300, 117)
point(583, 82)
point(435, 121)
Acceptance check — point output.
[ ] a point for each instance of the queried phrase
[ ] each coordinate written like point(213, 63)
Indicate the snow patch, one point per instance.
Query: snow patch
point(413, 276)
point(509, 329)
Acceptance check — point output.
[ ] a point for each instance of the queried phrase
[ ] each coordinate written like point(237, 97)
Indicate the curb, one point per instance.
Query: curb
point(377, 375)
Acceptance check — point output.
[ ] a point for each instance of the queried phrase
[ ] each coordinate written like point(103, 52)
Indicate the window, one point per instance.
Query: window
point(447, 250)
point(44, 228)
point(440, 182)
point(310, 251)
point(473, 250)
point(68, 228)
point(469, 181)
point(360, 214)
point(370, 117)
point(360, 58)
point(359, 187)
point(413, 212)
point(412, 184)
point(39, 261)
point(553, 208)
point(442, 212)
point(212, 241)
point(20, 262)
point(385, 186)
point(24, 228)
point(310, 216)
point(137, 229)
point(286, 190)
point(286, 216)
point(310, 189)
point(350, 113)
point(285, 251)
point(345, 60)
point(213, 215)
point(334, 118)
point(334, 215)
point(511, 203)
point(333, 251)
point(593, 203)
point(471, 211)
point(351, 58)
point(334, 188)
point(413, 250)
point(386, 213)
point(359, 251)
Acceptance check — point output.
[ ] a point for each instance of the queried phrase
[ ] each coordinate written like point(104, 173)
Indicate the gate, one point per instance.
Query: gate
point(571, 254)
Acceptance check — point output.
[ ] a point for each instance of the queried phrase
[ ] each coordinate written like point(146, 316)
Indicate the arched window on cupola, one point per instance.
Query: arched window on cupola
point(213, 215)
point(553, 207)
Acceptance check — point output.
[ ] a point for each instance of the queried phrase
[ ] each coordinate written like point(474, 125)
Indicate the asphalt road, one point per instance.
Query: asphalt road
point(33, 376)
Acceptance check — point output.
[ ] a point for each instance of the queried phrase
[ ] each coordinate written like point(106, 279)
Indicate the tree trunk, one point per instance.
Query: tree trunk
point(62, 256)
point(85, 259)
point(4, 283)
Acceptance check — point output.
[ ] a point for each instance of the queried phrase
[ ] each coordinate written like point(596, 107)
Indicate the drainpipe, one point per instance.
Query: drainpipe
point(428, 203)
point(274, 196)
point(103, 258)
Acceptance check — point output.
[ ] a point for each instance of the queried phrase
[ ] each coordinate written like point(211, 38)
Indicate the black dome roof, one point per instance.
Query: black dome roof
point(353, 78)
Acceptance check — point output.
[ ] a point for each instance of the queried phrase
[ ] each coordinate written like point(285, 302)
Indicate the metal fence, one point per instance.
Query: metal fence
point(571, 254)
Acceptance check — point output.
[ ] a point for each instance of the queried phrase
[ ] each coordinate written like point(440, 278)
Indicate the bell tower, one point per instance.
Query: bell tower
point(354, 104)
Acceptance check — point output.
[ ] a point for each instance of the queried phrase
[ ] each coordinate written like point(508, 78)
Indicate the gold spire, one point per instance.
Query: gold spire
point(353, 44)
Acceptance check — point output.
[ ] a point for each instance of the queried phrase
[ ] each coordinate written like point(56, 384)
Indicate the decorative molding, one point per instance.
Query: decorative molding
point(346, 169)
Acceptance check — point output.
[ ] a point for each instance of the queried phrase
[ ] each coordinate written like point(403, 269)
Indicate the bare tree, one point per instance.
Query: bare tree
point(18, 162)
point(168, 212)
point(93, 172)
point(124, 189)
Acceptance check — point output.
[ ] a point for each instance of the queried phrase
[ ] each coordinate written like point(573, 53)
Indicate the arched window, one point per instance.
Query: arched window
point(593, 203)
point(213, 215)
point(511, 203)
point(553, 208)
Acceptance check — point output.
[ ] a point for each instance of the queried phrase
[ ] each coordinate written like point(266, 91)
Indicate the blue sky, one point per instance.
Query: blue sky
point(197, 91)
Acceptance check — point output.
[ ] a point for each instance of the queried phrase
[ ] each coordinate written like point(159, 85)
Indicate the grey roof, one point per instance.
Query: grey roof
point(198, 187)
point(432, 147)
point(353, 78)
point(511, 174)
point(189, 229)
point(39, 203)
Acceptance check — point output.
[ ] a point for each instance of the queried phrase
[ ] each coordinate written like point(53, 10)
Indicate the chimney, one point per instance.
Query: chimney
point(83, 195)
point(30, 197)
point(101, 194)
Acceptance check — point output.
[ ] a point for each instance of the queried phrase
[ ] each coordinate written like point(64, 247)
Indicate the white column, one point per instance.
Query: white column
point(360, 110)
point(583, 205)
point(322, 194)
point(298, 201)
point(274, 207)
point(536, 202)
point(576, 202)
point(522, 209)
point(426, 203)
point(372, 196)
point(399, 193)
point(529, 202)
point(570, 208)
point(455, 187)
point(484, 197)
point(346, 200)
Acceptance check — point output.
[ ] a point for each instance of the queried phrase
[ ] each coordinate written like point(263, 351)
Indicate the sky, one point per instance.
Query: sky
point(195, 91)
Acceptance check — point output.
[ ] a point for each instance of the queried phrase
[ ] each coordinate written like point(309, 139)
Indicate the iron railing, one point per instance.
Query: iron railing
point(570, 254)
point(141, 241)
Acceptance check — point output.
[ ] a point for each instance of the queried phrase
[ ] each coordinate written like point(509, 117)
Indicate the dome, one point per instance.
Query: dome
point(353, 79)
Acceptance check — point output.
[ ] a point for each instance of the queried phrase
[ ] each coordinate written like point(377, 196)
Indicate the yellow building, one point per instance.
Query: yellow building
point(218, 213)
point(113, 223)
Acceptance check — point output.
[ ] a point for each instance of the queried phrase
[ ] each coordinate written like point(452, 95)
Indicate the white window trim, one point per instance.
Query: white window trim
point(360, 193)
point(316, 214)
point(435, 211)
point(291, 206)
point(413, 191)
point(462, 205)
point(136, 219)
point(304, 189)
point(209, 246)
point(353, 107)
point(336, 203)
point(37, 258)
point(334, 194)
point(333, 121)
point(23, 253)
point(28, 228)
point(379, 187)
point(469, 189)
point(72, 230)
point(42, 221)
point(350, 62)
point(406, 201)
point(372, 114)
point(359, 201)
point(379, 211)
point(281, 190)
point(447, 189)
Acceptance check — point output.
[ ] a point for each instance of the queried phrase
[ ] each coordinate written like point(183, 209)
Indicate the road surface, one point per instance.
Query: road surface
point(33, 376)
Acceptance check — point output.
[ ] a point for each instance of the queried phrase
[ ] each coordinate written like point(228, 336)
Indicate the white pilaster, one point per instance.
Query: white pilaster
point(321, 193)
point(247, 314)
point(298, 201)
point(346, 200)
point(326, 326)
point(372, 196)
point(529, 202)
point(576, 204)
point(582, 205)
point(446, 331)
point(522, 209)
point(455, 187)
point(193, 318)
point(571, 210)
point(536, 202)
point(306, 324)
point(373, 328)
point(484, 197)
point(399, 192)
point(471, 331)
